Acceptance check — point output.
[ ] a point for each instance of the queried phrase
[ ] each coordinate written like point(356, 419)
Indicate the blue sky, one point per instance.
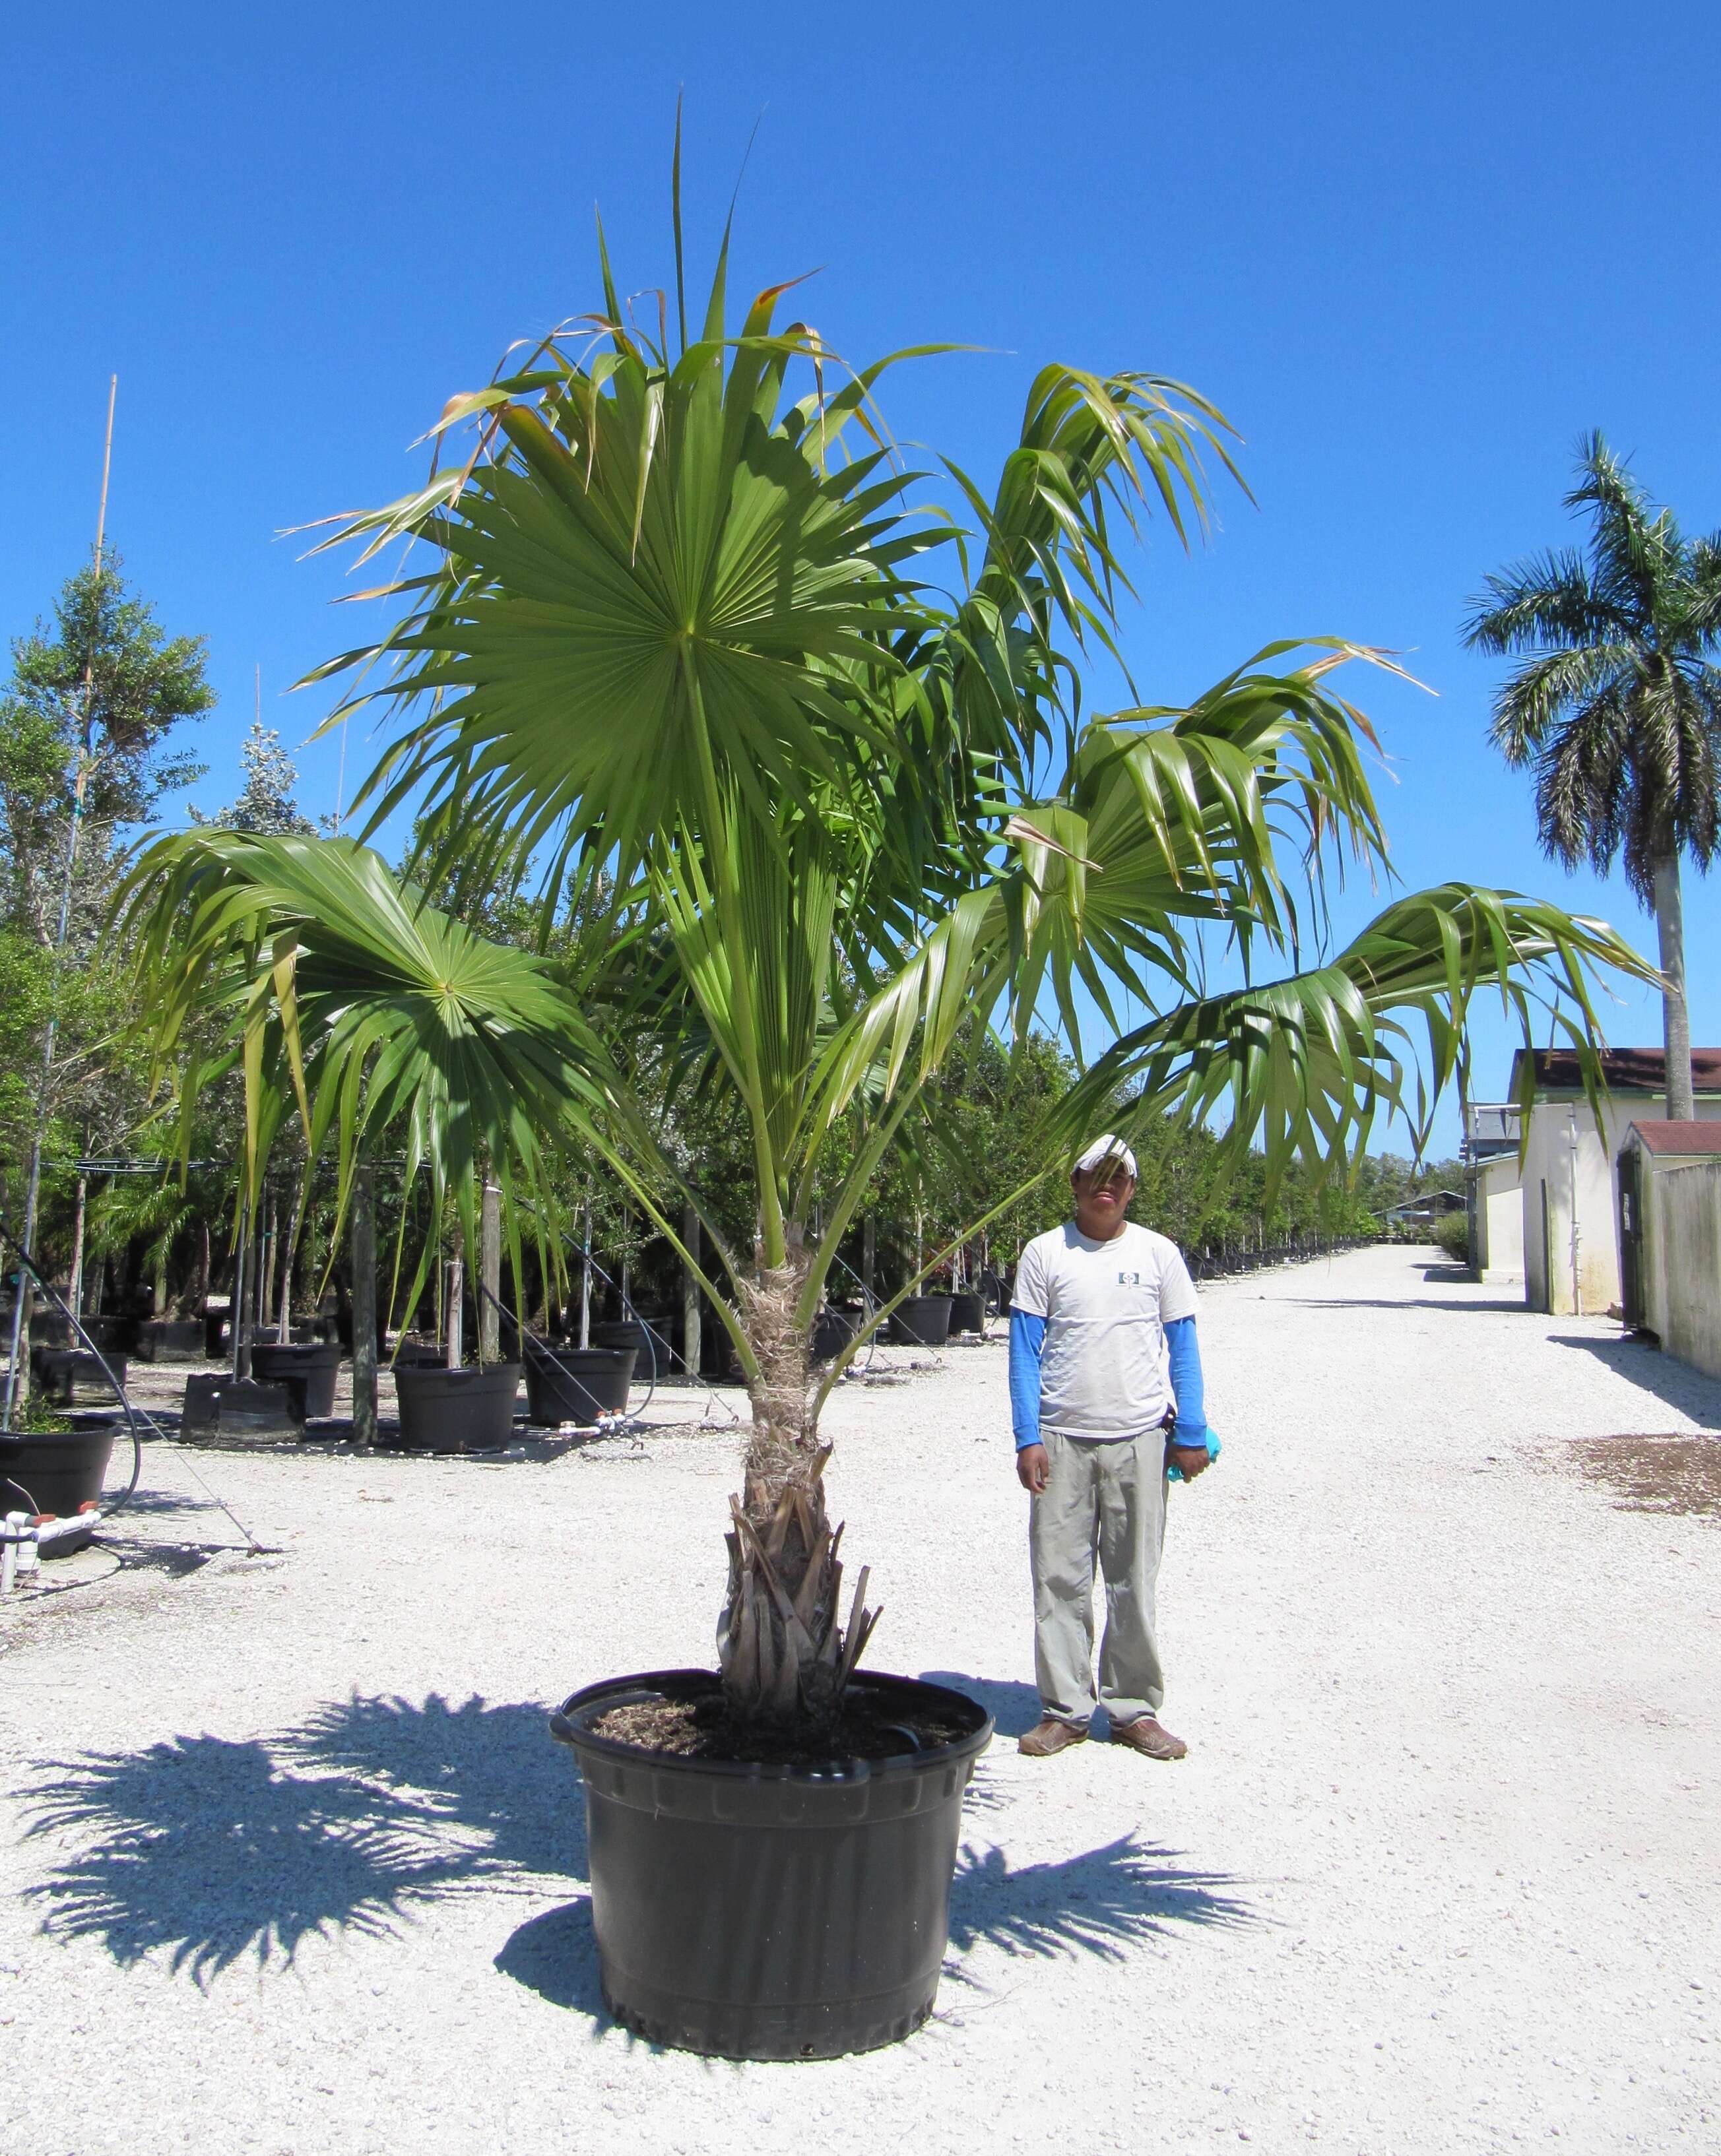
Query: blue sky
point(1412, 253)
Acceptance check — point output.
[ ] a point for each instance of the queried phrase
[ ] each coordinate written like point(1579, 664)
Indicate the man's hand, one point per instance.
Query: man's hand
point(1190, 1460)
point(1034, 1469)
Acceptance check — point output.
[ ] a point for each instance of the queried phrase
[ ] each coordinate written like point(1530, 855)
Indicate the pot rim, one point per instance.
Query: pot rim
point(570, 1725)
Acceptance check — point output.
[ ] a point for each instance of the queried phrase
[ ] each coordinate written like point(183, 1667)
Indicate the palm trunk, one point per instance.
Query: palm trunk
point(783, 1656)
point(1676, 1020)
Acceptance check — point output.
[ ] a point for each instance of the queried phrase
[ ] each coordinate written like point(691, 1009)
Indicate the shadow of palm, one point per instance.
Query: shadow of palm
point(211, 1850)
point(1102, 1902)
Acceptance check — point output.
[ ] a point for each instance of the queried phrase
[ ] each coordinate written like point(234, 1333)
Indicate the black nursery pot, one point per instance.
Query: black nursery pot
point(55, 1471)
point(832, 1332)
point(467, 1411)
point(922, 1321)
point(771, 1913)
point(966, 1313)
point(308, 1371)
point(576, 1384)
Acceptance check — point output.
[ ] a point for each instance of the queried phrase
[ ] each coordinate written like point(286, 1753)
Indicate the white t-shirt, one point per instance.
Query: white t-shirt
point(1105, 1306)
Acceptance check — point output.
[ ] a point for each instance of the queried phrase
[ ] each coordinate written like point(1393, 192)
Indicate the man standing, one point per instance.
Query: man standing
point(1098, 1305)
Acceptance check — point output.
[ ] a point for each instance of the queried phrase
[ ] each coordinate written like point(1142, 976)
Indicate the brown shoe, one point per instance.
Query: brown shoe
point(1051, 1735)
point(1145, 1735)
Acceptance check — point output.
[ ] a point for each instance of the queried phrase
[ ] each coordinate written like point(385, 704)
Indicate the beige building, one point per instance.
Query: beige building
point(1569, 1218)
point(1670, 1237)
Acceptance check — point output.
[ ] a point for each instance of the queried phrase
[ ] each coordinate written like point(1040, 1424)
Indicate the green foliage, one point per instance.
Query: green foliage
point(1617, 704)
point(1451, 1231)
point(678, 664)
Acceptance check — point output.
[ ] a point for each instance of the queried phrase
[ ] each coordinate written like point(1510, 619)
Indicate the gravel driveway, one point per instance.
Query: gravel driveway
point(290, 1865)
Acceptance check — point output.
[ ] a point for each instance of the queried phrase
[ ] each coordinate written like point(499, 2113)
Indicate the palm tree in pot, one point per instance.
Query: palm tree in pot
point(679, 642)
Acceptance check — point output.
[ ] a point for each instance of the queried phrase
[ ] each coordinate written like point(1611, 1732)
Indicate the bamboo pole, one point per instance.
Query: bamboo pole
point(364, 1306)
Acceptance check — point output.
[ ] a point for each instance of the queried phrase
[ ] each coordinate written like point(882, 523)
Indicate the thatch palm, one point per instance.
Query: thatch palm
point(676, 641)
point(1618, 705)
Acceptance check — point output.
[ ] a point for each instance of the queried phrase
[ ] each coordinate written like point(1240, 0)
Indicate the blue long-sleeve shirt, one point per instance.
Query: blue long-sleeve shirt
point(1027, 1345)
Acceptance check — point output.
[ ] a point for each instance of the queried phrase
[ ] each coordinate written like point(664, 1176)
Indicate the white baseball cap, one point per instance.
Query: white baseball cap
point(1105, 1149)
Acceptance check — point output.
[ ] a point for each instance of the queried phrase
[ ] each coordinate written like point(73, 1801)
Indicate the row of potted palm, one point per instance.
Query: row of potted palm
point(696, 661)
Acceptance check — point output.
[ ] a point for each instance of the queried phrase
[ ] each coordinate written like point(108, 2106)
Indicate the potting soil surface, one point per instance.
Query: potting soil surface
point(291, 1863)
point(705, 1729)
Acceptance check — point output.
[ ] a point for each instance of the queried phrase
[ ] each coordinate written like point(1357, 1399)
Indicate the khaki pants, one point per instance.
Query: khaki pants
point(1105, 1498)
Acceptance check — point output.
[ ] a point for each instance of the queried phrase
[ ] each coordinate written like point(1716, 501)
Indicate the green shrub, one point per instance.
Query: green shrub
point(1451, 1231)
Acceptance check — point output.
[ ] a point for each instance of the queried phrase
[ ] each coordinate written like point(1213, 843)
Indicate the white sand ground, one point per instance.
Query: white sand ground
point(1440, 1873)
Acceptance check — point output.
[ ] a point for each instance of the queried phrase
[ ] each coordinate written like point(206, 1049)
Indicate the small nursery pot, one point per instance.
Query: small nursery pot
point(465, 1410)
point(576, 1384)
point(55, 1471)
point(171, 1339)
point(771, 1911)
point(832, 1332)
point(966, 1312)
point(309, 1372)
point(922, 1321)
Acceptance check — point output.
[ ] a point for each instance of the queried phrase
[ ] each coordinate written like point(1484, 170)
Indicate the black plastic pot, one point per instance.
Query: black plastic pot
point(468, 1410)
point(771, 1913)
point(922, 1321)
point(832, 1332)
point(631, 1332)
point(966, 1312)
point(171, 1339)
point(576, 1384)
point(55, 1472)
point(309, 1372)
point(59, 1370)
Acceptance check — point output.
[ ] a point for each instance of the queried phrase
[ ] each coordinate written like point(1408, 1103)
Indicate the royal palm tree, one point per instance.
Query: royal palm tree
point(675, 643)
point(1618, 705)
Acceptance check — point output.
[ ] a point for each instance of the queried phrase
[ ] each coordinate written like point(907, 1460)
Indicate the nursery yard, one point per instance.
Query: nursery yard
point(291, 1865)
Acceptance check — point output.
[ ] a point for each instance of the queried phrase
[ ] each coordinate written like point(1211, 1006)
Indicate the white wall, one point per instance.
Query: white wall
point(1548, 1162)
point(1499, 1218)
point(1682, 1249)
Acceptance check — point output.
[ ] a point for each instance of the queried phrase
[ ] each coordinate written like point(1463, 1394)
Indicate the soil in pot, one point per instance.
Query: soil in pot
point(55, 1471)
point(786, 1908)
point(467, 1411)
point(922, 1321)
point(576, 1384)
point(308, 1371)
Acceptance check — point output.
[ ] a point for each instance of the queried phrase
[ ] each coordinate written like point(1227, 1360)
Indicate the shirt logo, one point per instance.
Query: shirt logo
point(1129, 1280)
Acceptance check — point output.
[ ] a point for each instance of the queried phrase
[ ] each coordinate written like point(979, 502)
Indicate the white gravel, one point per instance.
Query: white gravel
point(1441, 1871)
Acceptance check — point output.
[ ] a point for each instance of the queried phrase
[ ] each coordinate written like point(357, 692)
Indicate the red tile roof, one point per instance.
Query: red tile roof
point(1624, 1070)
point(1664, 1137)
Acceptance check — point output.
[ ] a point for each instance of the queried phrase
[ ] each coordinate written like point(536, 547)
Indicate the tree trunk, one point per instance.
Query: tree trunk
point(75, 1294)
point(1676, 1021)
point(868, 1253)
point(782, 1653)
point(490, 1275)
point(364, 1308)
point(453, 1299)
point(691, 1342)
point(585, 1280)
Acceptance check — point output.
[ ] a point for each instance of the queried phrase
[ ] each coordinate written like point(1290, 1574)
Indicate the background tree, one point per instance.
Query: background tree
point(88, 717)
point(1618, 706)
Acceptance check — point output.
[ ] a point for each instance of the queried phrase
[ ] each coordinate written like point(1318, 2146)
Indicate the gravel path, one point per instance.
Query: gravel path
point(302, 1872)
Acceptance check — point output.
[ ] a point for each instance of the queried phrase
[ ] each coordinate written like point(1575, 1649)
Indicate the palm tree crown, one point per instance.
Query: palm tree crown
point(1617, 704)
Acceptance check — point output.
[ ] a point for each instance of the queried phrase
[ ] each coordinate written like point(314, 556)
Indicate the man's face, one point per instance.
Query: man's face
point(1103, 1196)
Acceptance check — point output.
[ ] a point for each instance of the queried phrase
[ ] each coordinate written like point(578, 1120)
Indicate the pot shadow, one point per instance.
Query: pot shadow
point(209, 1851)
point(1103, 1902)
point(556, 1955)
point(1014, 1708)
